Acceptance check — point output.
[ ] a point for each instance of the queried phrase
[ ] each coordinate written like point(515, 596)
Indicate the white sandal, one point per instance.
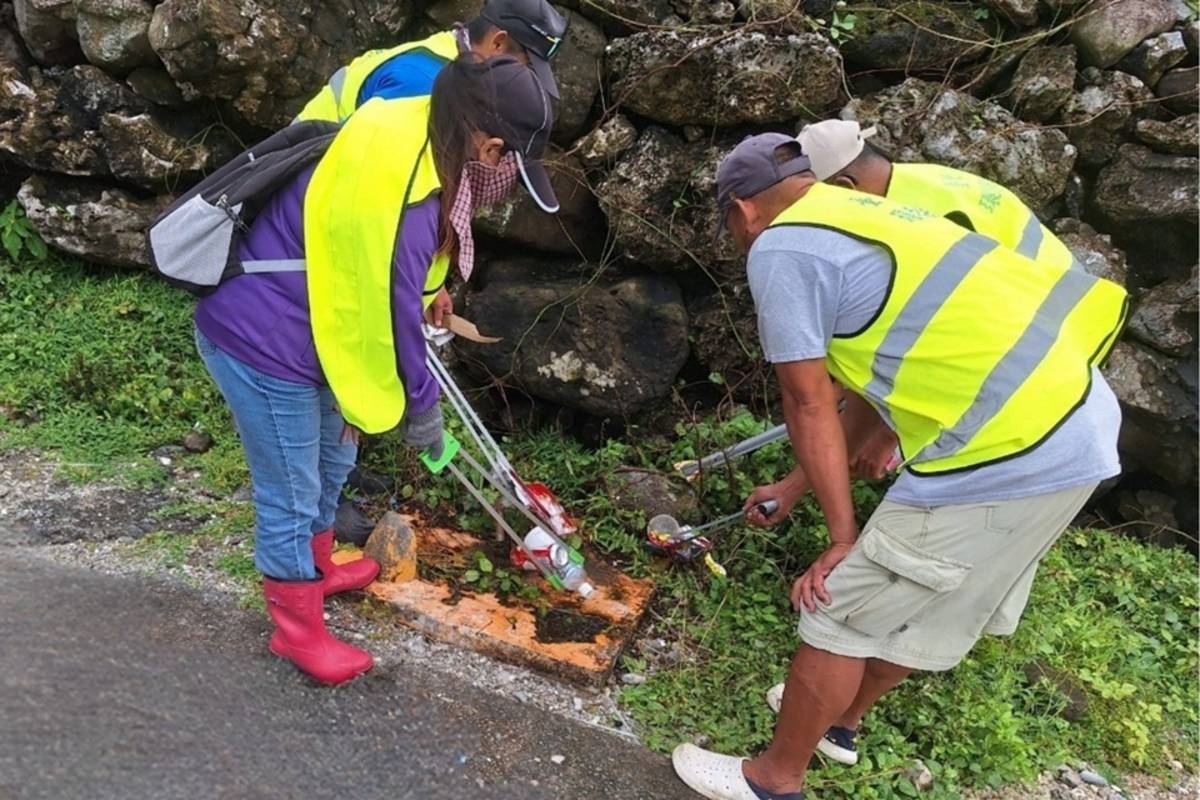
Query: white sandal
point(713, 775)
point(775, 697)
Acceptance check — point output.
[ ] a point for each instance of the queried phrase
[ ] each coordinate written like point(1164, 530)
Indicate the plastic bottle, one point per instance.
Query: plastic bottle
point(558, 561)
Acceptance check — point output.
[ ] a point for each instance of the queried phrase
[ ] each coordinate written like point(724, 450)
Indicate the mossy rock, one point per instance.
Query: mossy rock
point(913, 35)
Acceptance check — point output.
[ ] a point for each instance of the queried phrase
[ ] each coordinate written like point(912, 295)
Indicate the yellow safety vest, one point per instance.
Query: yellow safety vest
point(980, 205)
point(978, 353)
point(339, 98)
point(380, 164)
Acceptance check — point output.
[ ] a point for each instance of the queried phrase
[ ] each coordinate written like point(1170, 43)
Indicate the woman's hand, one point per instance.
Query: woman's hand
point(442, 305)
point(810, 587)
point(786, 492)
point(351, 435)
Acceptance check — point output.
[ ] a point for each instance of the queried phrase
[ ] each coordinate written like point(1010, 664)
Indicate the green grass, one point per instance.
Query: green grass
point(100, 369)
point(1115, 618)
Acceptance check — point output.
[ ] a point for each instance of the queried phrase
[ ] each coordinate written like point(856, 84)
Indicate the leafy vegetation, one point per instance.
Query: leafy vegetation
point(101, 368)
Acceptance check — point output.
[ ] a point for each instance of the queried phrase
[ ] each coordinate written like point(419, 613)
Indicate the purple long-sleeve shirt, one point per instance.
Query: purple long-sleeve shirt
point(263, 319)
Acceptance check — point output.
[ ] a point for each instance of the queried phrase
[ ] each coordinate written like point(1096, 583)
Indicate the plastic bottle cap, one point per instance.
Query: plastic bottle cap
point(586, 589)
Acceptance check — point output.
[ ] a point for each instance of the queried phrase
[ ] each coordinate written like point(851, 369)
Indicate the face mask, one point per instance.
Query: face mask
point(479, 186)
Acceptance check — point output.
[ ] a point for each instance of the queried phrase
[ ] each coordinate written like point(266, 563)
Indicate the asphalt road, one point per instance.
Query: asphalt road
point(118, 687)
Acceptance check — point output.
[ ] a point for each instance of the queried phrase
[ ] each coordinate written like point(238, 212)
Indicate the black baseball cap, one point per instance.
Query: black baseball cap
point(522, 116)
point(536, 26)
point(755, 165)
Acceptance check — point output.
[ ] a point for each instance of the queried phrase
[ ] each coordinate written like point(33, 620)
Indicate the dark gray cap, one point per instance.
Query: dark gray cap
point(522, 116)
point(755, 165)
point(536, 26)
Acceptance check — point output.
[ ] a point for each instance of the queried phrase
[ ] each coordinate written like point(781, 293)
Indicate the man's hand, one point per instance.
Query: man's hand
point(810, 587)
point(785, 492)
point(351, 435)
point(442, 305)
point(877, 456)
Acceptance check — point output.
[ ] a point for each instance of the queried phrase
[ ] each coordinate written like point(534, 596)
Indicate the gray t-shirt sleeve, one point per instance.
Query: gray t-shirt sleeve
point(796, 296)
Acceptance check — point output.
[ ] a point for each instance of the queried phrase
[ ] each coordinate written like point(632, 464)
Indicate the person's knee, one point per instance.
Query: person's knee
point(826, 682)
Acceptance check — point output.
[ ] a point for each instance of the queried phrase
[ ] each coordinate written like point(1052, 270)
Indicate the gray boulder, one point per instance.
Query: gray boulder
point(922, 121)
point(1148, 201)
point(577, 229)
point(1178, 90)
point(114, 34)
point(48, 30)
point(267, 58)
point(1094, 251)
point(1021, 12)
point(81, 122)
point(709, 12)
point(1178, 137)
point(140, 151)
point(578, 71)
point(661, 204)
point(1060, 8)
point(787, 15)
point(85, 219)
point(155, 85)
point(653, 493)
point(1101, 116)
point(1165, 318)
point(1043, 83)
point(448, 12)
point(605, 348)
point(1158, 430)
point(604, 143)
point(621, 16)
point(910, 35)
point(1107, 30)
point(683, 77)
point(1153, 57)
point(724, 335)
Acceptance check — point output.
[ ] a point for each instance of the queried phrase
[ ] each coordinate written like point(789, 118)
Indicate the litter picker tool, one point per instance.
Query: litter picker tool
point(534, 497)
point(691, 470)
point(664, 535)
point(533, 500)
point(451, 447)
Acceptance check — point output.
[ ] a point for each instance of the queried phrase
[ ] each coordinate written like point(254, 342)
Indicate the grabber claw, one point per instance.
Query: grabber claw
point(450, 448)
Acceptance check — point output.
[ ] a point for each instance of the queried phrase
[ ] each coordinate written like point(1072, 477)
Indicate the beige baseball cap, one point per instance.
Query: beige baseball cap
point(832, 144)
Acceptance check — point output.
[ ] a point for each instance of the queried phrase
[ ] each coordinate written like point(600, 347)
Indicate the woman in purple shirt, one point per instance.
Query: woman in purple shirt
point(489, 122)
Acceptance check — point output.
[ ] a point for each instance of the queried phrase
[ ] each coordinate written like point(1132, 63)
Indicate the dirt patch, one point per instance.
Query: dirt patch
point(560, 625)
point(39, 506)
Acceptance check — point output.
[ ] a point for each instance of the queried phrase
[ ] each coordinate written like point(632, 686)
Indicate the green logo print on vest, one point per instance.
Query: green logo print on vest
point(991, 209)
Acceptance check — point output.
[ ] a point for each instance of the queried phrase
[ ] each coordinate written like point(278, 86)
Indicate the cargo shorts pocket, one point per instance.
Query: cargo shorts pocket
point(886, 581)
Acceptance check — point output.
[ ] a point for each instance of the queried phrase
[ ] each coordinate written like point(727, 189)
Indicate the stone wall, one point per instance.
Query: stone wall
point(624, 308)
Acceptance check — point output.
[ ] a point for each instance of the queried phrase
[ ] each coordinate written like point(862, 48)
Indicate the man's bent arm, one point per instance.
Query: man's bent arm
point(810, 409)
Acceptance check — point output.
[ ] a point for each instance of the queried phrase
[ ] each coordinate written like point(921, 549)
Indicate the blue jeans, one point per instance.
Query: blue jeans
point(292, 435)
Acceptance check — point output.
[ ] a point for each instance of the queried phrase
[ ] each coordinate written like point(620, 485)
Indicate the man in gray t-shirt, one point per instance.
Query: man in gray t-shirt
point(946, 557)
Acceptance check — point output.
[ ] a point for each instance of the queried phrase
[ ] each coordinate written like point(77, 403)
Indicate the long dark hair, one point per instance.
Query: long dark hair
point(459, 105)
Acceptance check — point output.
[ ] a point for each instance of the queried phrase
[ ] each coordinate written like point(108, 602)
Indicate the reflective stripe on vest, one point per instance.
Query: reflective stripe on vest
point(992, 210)
point(978, 353)
point(378, 165)
point(435, 278)
point(339, 98)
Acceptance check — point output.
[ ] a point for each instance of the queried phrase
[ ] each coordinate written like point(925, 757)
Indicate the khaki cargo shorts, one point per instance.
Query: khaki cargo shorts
point(923, 584)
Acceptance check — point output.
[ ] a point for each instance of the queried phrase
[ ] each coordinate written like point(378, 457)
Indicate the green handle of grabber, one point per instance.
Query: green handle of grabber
point(450, 448)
